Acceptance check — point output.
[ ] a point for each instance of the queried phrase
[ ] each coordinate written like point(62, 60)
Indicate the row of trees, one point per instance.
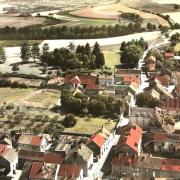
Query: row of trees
point(132, 52)
point(97, 106)
point(65, 32)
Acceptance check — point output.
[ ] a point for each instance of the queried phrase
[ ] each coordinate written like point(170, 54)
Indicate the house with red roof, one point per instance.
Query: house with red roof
point(146, 167)
point(99, 142)
point(32, 156)
point(70, 171)
point(41, 171)
point(88, 82)
point(8, 160)
point(130, 139)
point(168, 55)
point(37, 143)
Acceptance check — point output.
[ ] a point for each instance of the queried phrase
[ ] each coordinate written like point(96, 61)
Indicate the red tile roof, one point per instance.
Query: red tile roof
point(130, 136)
point(89, 81)
point(170, 165)
point(35, 170)
point(130, 78)
point(41, 156)
point(69, 171)
point(36, 140)
point(124, 160)
point(166, 137)
point(3, 149)
point(43, 170)
point(159, 137)
point(97, 139)
point(168, 55)
point(172, 103)
point(164, 80)
point(147, 162)
point(53, 158)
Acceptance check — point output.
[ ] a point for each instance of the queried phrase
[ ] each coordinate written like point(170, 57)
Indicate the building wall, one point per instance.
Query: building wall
point(13, 166)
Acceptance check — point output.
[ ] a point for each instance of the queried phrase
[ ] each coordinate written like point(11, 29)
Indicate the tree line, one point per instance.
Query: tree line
point(64, 32)
point(65, 58)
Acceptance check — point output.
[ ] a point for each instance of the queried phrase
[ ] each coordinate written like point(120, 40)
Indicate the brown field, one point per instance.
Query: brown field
point(112, 11)
point(18, 22)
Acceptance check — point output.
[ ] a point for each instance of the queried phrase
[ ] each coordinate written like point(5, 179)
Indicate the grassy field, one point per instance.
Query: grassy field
point(177, 47)
point(112, 58)
point(10, 95)
point(45, 99)
point(14, 43)
point(91, 125)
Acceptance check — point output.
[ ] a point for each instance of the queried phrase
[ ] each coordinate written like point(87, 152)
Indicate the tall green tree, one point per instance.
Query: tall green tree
point(35, 51)
point(2, 55)
point(71, 46)
point(131, 56)
point(87, 49)
point(25, 52)
point(45, 48)
point(100, 60)
point(96, 49)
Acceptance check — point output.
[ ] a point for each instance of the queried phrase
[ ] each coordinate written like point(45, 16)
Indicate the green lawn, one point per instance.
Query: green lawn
point(91, 125)
point(96, 22)
point(13, 43)
point(177, 47)
point(112, 58)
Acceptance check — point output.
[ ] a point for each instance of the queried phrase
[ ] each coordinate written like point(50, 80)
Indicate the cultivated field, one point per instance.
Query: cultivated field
point(112, 11)
point(13, 21)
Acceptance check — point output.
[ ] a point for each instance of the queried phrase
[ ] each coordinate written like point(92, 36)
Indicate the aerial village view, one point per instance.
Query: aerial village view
point(89, 90)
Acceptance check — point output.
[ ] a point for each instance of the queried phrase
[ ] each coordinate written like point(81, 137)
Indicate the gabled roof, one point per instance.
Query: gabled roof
point(147, 162)
point(43, 171)
point(168, 55)
point(130, 136)
point(69, 171)
point(41, 156)
point(7, 153)
point(89, 81)
point(97, 139)
point(30, 139)
point(130, 78)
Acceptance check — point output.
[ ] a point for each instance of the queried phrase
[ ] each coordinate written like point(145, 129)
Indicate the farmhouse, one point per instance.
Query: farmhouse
point(33, 143)
point(130, 139)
